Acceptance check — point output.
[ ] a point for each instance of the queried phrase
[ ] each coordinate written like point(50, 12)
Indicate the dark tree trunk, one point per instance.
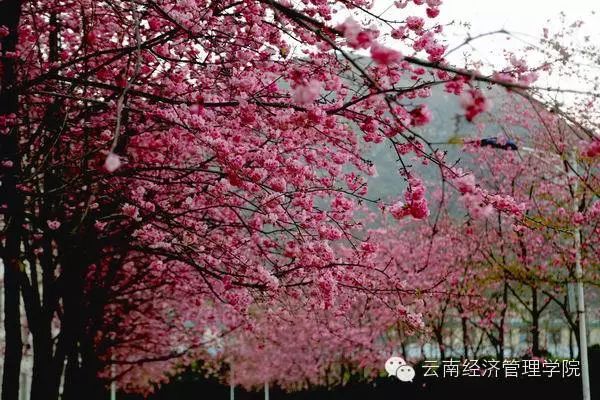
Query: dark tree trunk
point(501, 333)
point(41, 382)
point(440, 339)
point(81, 375)
point(12, 322)
point(505, 289)
point(67, 347)
point(72, 377)
point(83, 311)
point(45, 384)
point(403, 347)
point(535, 323)
point(465, 337)
point(10, 12)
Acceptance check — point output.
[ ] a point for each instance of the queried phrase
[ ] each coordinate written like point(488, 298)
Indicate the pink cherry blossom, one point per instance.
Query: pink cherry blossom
point(385, 56)
point(306, 94)
point(474, 103)
point(112, 162)
point(421, 115)
point(592, 149)
point(53, 224)
point(357, 36)
point(415, 23)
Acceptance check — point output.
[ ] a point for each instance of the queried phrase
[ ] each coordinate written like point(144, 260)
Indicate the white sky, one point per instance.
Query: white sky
point(523, 18)
point(522, 15)
point(526, 18)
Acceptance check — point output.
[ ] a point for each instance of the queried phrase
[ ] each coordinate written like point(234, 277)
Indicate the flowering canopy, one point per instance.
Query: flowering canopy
point(175, 168)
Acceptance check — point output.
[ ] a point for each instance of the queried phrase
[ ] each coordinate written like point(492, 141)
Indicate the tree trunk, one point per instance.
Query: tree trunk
point(81, 375)
point(501, 333)
point(535, 323)
point(42, 385)
point(10, 12)
point(440, 339)
point(73, 377)
point(465, 337)
point(12, 323)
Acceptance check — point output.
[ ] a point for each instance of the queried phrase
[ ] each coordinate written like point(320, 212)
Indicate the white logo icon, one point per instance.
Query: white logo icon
point(396, 366)
point(405, 373)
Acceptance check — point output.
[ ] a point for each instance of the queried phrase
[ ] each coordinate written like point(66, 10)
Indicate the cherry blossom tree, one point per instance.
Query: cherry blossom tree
point(141, 135)
point(172, 169)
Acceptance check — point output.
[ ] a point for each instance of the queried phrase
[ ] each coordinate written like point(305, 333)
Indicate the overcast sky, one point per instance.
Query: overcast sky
point(524, 18)
point(522, 15)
